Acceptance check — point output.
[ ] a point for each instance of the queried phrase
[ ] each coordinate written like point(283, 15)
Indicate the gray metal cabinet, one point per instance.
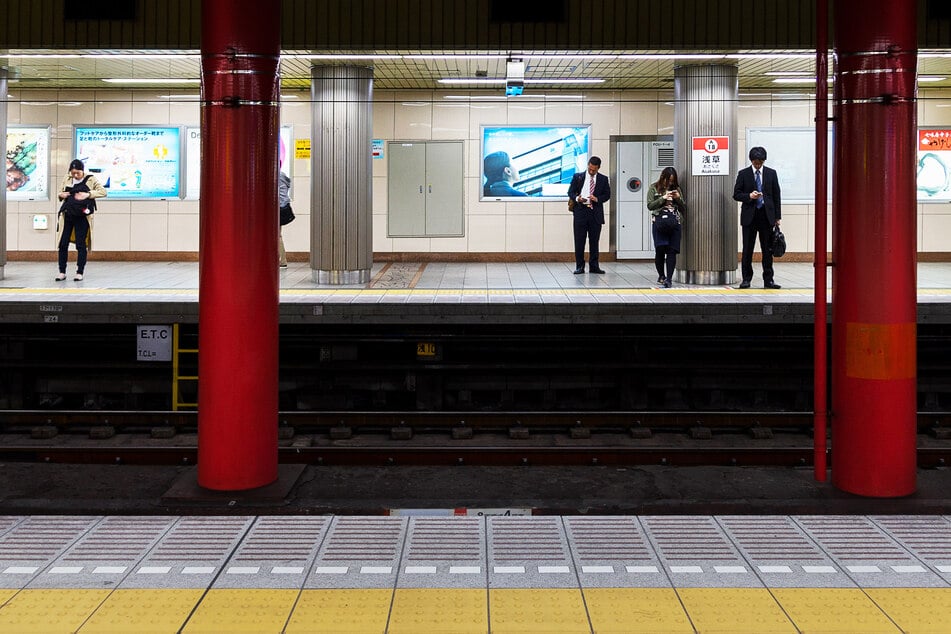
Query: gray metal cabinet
point(425, 190)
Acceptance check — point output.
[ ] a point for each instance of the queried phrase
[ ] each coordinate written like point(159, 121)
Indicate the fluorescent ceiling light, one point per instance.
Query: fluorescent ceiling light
point(42, 56)
point(498, 82)
point(789, 73)
point(929, 78)
point(636, 57)
point(141, 80)
point(142, 56)
point(565, 80)
point(795, 80)
point(769, 55)
point(363, 56)
point(472, 80)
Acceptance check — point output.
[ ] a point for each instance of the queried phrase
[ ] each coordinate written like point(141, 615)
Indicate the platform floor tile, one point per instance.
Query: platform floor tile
point(636, 611)
point(354, 611)
point(49, 611)
point(143, 612)
point(242, 611)
point(537, 611)
point(916, 610)
point(448, 611)
point(735, 611)
point(834, 611)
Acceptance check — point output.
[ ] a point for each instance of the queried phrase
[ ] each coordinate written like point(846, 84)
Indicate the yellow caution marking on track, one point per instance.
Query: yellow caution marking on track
point(735, 611)
point(833, 611)
point(916, 610)
point(143, 611)
point(341, 612)
point(547, 611)
point(636, 611)
point(447, 611)
point(49, 611)
point(242, 611)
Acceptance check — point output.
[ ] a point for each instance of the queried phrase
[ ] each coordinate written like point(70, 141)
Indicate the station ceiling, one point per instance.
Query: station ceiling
point(423, 70)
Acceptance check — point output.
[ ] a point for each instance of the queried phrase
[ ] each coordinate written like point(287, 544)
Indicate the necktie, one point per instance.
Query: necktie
point(591, 190)
point(759, 187)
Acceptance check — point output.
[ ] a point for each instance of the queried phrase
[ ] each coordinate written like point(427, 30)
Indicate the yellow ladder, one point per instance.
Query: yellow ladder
point(177, 378)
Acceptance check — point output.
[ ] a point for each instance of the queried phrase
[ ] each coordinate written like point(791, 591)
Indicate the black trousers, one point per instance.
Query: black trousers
point(761, 228)
point(586, 227)
point(81, 225)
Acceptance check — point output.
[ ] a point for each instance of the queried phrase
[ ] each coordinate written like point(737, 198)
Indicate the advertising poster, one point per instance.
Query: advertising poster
point(520, 162)
point(132, 161)
point(28, 162)
point(934, 163)
point(193, 158)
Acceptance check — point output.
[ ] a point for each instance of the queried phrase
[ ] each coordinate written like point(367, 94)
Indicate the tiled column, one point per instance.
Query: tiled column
point(341, 250)
point(705, 98)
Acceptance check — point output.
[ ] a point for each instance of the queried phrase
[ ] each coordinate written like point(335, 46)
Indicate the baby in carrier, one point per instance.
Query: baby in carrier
point(73, 207)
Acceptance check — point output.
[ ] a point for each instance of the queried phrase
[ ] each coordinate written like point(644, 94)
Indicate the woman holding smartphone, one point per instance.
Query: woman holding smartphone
point(666, 203)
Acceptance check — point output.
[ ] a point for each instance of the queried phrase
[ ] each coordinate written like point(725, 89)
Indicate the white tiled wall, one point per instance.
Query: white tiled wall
point(524, 227)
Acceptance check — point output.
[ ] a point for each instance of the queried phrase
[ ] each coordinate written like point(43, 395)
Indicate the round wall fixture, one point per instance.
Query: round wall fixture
point(634, 185)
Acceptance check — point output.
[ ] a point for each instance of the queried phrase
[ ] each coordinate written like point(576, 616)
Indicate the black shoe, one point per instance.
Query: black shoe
point(667, 284)
point(661, 280)
point(745, 284)
point(579, 270)
point(773, 285)
point(598, 271)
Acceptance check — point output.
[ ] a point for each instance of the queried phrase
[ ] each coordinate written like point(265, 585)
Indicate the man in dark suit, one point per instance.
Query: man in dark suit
point(757, 187)
point(590, 190)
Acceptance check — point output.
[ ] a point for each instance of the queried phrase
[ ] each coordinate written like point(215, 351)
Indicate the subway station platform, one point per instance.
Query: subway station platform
point(114, 292)
point(454, 574)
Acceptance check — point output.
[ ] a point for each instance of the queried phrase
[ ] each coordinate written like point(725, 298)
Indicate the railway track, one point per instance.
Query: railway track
point(450, 438)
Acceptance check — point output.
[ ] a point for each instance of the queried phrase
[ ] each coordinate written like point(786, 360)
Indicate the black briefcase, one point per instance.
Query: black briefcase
point(778, 245)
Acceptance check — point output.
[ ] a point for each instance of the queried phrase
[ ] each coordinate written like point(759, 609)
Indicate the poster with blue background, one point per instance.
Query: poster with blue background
point(132, 161)
point(531, 162)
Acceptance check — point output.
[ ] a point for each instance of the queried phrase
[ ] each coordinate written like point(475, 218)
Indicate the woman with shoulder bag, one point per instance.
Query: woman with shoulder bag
point(665, 201)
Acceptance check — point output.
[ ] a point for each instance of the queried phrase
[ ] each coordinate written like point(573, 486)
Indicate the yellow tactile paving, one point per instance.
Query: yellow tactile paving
point(916, 610)
point(447, 611)
point(143, 612)
point(242, 611)
point(5, 594)
point(735, 611)
point(636, 611)
point(49, 611)
point(833, 611)
point(341, 612)
point(550, 611)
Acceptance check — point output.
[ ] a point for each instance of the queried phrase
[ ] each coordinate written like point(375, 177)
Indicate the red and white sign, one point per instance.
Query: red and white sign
point(711, 155)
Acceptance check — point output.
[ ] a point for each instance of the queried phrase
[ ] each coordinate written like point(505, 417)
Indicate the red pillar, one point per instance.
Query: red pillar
point(875, 249)
point(238, 274)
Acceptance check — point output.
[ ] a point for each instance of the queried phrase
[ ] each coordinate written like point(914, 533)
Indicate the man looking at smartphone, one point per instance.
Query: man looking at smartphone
point(757, 188)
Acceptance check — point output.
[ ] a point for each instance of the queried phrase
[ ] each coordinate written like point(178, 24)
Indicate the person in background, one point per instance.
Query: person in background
point(666, 203)
point(590, 190)
point(78, 194)
point(286, 213)
point(757, 187)
point(499, 175)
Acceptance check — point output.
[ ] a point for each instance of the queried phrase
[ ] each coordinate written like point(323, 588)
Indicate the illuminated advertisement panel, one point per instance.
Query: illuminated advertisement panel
point(132, 161)
point(28, 162)
point(193, 158)
point(532, 162)
point(933, 169)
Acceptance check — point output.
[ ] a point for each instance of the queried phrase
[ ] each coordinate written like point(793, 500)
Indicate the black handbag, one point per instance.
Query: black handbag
point(778, 245)
point(666, 222)
point(287, 215)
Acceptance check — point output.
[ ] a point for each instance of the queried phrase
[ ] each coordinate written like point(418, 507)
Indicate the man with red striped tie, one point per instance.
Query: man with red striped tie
point(590, 190)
